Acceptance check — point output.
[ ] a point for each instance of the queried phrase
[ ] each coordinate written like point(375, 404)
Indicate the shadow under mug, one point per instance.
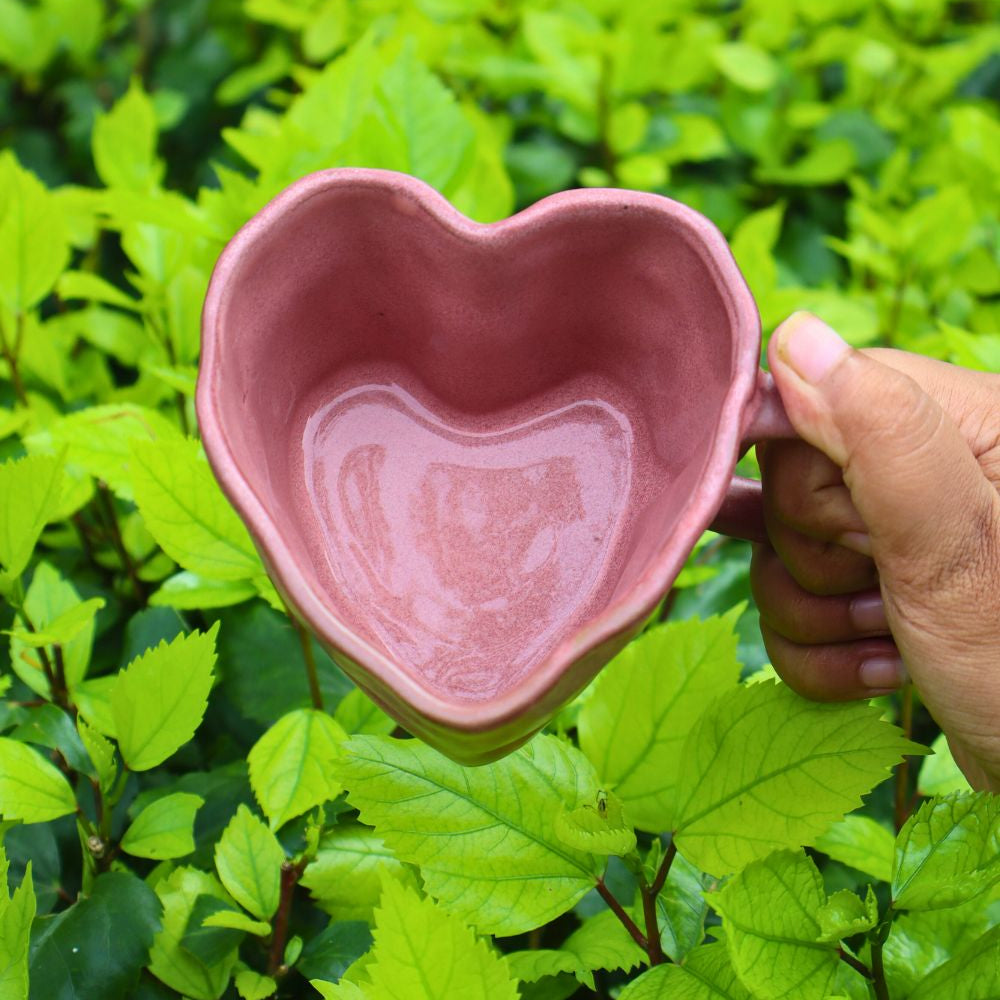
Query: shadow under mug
point(475, 457)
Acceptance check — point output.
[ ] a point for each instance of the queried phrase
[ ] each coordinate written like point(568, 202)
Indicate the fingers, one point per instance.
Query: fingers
point(840, 672)
point(830, 648)
point(811, 519)
point(904, 458)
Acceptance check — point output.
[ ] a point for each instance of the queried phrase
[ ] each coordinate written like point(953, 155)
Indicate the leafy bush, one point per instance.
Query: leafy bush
point(195, 801)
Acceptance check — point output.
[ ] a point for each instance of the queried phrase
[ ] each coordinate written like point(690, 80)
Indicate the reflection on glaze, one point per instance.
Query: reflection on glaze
point(467, 553)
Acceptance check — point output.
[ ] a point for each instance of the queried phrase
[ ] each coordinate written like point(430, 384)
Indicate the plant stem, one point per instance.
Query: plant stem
point(653, 947)
point(902, 804)
point(307, 654)
point(664, 870)
point(107, 508)
point(9, 353)
point(290, 875)
point(616, 908)
point(855, 963)
point(878, 965)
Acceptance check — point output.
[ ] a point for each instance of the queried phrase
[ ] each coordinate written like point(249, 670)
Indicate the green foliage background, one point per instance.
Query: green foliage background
point(184, 814)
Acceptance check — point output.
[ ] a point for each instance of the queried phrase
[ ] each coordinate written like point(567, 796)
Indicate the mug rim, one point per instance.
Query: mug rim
point(617, 618)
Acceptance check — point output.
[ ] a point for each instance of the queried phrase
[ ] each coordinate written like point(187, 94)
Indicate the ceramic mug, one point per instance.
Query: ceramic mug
point(475, 457)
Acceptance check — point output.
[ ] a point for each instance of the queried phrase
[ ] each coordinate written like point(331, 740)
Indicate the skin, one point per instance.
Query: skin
point(884, 526)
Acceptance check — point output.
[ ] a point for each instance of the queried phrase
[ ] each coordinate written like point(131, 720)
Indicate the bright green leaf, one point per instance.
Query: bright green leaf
point(601, 828)
point(16, 913)
point(160, 698)
point(973, 973)
point(746, 65)
point(31, 789)
point(31, 488)
point(948, 852)
point(770, 915)
point(248, 859)
point(939, 774)
point(188, 591)
point(293, 765)
point(186, 512)
point(766, 768)
point(707, 974)
point(100, 751)
point(632, 727)
point(62, 628)
point(845, 914)
point(253, 986)
point(165, 828)
point(534, 964)
point(860, 842)
point(482, 836)
point(357, 713)
point(169, 961)
point(34, 246)
point(124, 142)
point(345, 877)
point(237, 920)
point(422, 952)
point(603, 943)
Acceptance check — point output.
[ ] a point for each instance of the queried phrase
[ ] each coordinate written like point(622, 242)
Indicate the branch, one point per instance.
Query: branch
point(855, 963)
point(290, 875)
point(664, 870)
point(307, 654)
point(903, 802)
point(627, 921)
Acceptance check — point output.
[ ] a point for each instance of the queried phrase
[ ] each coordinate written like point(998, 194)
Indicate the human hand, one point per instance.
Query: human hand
point(884, 527)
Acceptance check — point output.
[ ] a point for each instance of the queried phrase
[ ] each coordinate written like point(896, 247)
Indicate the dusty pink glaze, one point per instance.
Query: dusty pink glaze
point(475, 457)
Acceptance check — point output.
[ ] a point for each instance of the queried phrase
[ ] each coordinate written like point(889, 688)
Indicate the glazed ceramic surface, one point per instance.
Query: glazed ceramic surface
point(474, 457)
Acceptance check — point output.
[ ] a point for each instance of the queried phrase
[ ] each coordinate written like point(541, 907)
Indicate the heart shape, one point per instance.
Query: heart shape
point(474, 457)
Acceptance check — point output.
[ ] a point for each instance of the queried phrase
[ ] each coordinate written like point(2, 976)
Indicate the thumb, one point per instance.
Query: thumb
point(913, 477)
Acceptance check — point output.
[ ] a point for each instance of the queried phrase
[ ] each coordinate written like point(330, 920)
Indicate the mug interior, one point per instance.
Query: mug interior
point(472, 446)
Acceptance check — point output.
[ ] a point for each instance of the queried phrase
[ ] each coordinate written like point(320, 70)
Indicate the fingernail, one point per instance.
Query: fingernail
point(856, 541)
point(868, 613)
point(883, 672)
point(810, 347)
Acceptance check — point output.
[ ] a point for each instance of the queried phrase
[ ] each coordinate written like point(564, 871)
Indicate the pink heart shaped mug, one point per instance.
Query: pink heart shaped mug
point(475, 457)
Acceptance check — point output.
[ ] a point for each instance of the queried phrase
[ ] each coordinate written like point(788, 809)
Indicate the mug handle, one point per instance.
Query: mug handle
point(742, 512)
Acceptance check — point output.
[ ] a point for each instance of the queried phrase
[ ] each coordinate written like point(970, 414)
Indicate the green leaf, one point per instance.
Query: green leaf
point(921, 940)
point(482, 836)
point(62, 628)
point(603, 943)
point(169, 961)
point(707, 974)
point(532, 965)
point(29, 262)
point(948, 852)
point(100, 751)
point(16, 914)
point(160, 698)
point(417, 126)
point(248, 859)
point(49, 726)
point(971, 974)
point(601, 828)
point(98, 439)
point(31, 488)
point(188, 591)
point(164, 829)
point(845, 913)
point(423, 953)
point(748, 66)
point(293, 765)
point(186, 512)
point(770, 915)
point(31, 789)
point(632, 727)
point(939, 774)
point(329, 954)
point(357, 713)
point(681, 908)
point(96, 949)
point(345, 877)
point(237, 920)
point(253, 986)
point(49, 598)
point(860, 842)
point(765, 768)
point(93, 288)
point(339, 991)
point(124, 143)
